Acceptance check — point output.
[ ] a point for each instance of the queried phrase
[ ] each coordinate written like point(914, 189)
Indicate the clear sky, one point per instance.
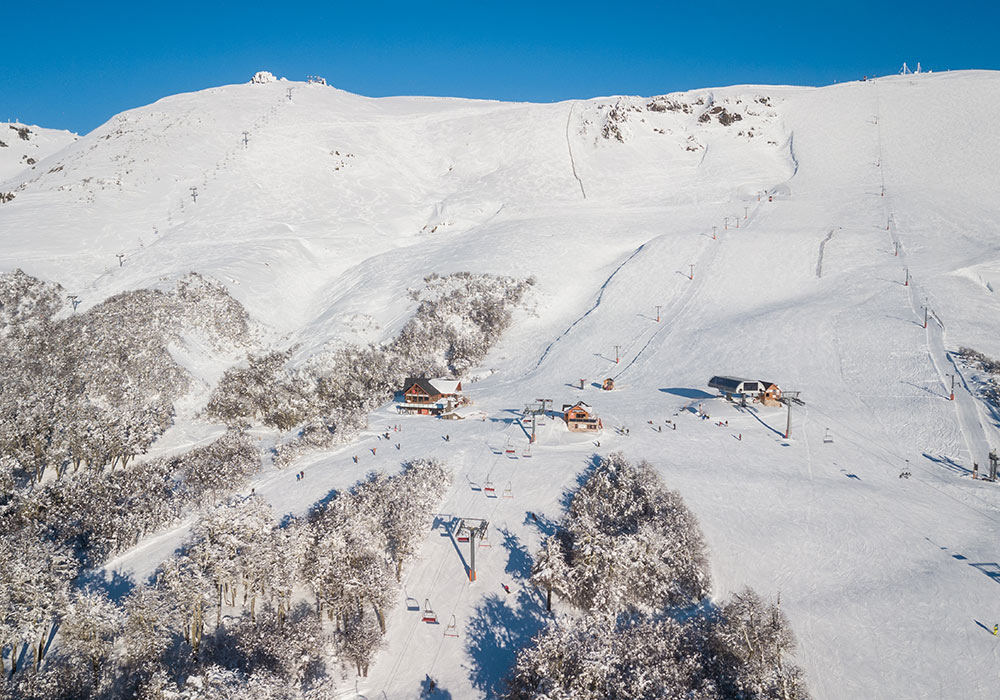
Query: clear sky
point(75, 65)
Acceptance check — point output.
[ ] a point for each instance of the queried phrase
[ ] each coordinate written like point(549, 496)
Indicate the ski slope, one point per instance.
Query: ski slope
point(22, 146)
point(337, 204)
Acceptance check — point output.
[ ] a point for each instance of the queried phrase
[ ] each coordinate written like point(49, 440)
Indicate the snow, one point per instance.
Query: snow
point(17, 151)
point(337, 205)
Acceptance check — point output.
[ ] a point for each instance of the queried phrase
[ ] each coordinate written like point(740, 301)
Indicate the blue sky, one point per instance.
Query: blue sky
point(73, 66)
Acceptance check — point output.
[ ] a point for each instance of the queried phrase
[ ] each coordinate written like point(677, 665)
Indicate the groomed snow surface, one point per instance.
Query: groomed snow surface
point(336, 205)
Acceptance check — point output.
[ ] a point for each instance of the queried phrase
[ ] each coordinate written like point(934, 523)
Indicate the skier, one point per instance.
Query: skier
point(355, 459)
point(996, 628)
point(373, 450)
point(506, 589)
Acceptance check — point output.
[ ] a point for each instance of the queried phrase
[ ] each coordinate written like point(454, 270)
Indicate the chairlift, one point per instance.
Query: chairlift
point(484, 533)
point(452, 629)
point(828, 438)
point(527, 451)
point(490, 490)
point(507, 492)
point(509, 449)
point(430, 617)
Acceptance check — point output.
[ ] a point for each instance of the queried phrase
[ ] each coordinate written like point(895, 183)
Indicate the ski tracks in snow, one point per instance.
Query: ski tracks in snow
point(966, 405)
point(597, 303)
point(569, 147)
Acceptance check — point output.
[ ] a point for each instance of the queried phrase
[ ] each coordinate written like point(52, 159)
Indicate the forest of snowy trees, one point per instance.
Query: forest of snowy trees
point(458, 319)
point(250, 608)
point(630, 560)
point(94, 389)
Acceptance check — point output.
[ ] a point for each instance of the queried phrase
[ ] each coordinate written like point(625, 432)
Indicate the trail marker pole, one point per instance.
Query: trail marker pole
point(788, 425)
point(725, 222)
point(746, 212)
point(896, 248)
point(883, 191)
point(925, 317)
point(617, 347)
point(737, 219)
point(906, 283)
point(246, 138)
point(714, 229)
point(657, 314)
point(691, 274)
point(952, 396)
point(581, 382)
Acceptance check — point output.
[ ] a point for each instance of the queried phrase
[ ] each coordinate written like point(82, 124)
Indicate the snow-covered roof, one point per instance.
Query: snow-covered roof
point(446, 385)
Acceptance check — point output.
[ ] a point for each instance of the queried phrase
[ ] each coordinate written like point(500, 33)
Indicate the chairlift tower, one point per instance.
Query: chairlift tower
point(469, 530)
point(788, 398)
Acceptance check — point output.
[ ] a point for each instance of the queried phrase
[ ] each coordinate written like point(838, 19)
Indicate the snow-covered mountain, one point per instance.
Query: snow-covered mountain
point(785, 233)
point(22, 146)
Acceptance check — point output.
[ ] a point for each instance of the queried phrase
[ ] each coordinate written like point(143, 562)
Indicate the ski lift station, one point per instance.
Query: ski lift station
point(768, 393)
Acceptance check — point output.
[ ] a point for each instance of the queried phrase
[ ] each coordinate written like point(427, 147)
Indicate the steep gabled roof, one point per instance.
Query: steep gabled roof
point(421, 382)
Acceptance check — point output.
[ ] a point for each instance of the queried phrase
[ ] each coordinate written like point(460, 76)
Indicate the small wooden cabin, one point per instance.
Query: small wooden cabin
point(580, 417)
point(770, 394)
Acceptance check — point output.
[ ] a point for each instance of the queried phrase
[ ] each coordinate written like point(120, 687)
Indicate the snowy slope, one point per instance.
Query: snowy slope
point(22, 146)
point(338, 204)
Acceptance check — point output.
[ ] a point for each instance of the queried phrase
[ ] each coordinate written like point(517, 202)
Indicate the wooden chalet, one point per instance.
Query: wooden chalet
point(430, 397)
point(580, 417)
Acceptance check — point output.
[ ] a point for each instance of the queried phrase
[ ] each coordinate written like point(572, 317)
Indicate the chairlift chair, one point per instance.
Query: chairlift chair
point(828, 437)
point(490, 490)
point(452, 629)
point(509, 449)
point(507, 492)
point(527, 451)
point(430, 617)
point(484, 533)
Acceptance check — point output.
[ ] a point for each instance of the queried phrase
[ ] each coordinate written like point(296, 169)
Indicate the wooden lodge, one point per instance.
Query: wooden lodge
point(430, 397)
point(580, 417)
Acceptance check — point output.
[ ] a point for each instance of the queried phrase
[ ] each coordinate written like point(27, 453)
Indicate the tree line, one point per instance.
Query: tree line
point(239, 612)
point(630, 562)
